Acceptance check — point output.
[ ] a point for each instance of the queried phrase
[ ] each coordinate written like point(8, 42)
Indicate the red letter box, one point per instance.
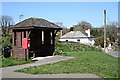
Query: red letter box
point(26, 43)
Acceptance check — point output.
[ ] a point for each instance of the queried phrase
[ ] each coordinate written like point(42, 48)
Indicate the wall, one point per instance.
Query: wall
point(18, 52)
point(82, 40)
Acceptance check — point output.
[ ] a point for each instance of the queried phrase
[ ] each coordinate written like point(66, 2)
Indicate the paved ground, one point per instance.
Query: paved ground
point(8, 72)
point(113, 53)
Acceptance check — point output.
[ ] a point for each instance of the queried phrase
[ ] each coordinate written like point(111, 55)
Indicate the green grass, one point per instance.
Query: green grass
point(93, 62)
point(12, 61)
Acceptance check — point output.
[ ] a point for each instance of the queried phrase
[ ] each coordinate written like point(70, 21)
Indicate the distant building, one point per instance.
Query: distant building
point(78, 37)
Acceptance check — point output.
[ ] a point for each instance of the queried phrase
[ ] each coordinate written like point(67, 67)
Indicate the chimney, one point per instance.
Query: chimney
point(61, 33)
point(88, 32)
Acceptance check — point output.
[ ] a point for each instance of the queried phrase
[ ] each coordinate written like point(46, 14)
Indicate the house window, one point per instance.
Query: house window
point(78, 40)
point(66, 40)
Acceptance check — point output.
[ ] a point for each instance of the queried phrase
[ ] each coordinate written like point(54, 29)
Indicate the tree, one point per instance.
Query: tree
point(82, 26)
point(118, 35)
point(111, 34)
point(99, 41)
point(112, 31)
point(85, 24)
point(71, 28)
point(118, 43)
point(5, 22)
point(97, 32)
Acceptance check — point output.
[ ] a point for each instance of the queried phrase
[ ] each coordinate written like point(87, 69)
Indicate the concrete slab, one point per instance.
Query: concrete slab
point(39, 58)
point(23, 75)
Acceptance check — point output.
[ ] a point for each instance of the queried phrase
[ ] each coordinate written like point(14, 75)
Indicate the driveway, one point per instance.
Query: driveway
point(8, 72)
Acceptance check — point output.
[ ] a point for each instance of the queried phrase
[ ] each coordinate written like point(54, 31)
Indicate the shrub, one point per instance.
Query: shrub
point(61, 48)
point(100, 41)
point(7, 41)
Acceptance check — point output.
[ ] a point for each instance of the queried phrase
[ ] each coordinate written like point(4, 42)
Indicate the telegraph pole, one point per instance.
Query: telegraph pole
point(104, 30)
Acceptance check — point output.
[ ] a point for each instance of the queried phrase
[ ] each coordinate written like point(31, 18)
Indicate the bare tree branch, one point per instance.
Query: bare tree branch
point(5, 22)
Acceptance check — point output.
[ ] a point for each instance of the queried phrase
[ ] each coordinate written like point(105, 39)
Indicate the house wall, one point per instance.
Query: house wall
point(81, 40)
point(18, 52)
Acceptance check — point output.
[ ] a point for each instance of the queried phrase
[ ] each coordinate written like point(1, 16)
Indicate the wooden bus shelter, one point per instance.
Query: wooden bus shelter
point(41, 33)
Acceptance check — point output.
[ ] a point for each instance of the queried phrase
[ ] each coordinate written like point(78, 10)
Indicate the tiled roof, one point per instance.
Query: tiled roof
point(74, 35)
point(36, 22)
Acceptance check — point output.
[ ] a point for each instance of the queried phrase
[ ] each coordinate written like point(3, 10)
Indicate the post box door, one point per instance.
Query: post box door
point(26, 43)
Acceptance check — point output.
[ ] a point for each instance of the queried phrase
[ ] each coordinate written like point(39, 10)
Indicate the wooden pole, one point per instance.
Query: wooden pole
point(26, 54)
point(104, 30)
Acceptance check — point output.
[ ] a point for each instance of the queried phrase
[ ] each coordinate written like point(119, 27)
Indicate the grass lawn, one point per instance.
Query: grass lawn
point(93, 62)
point(12, 61)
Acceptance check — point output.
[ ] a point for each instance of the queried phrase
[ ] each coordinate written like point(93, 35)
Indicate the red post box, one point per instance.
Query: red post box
point(26, 43)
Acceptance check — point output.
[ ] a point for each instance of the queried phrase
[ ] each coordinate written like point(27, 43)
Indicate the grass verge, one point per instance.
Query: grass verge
point(93, 62)
point(12, 61)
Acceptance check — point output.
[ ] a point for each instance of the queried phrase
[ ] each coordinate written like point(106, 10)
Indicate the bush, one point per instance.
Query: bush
point(61, 48)
point(118, 42)
point(6, 41)
point(100, 41)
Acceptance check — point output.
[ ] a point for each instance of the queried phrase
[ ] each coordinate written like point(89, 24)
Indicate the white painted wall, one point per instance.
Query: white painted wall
point(88, 32)
point(69, 40)
point(82, 40)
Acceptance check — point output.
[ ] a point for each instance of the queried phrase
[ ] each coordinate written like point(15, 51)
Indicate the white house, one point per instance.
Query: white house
point(78, 37)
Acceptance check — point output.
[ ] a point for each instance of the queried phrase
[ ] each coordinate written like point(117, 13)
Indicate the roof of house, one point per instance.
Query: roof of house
point(74, 35)
point(36, 22)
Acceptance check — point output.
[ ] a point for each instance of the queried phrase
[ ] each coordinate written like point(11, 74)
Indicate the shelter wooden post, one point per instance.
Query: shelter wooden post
point(53, 37)
point(26, 50)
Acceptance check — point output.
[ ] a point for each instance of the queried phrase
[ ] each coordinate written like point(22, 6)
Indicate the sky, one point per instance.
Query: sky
point(69, 13)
